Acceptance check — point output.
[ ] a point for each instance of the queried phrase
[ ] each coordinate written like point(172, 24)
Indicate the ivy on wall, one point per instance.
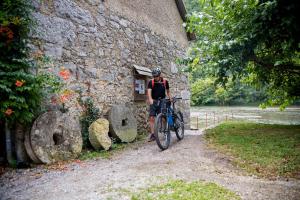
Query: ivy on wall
point(21, 91)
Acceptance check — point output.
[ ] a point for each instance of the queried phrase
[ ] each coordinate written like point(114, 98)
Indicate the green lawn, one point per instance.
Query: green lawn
point(180, 190)
point(266, 150)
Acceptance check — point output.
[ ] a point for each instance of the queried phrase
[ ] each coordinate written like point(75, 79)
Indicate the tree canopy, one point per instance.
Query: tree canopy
point(257, 39)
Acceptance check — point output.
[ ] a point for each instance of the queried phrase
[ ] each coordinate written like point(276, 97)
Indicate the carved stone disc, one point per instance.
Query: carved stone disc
point(122, 123)
point(29, 150)
point(56, 136)
point(98, 134)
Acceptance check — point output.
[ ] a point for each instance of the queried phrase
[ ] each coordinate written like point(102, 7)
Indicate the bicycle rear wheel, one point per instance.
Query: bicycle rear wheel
point(162, 132)
point(179, 123)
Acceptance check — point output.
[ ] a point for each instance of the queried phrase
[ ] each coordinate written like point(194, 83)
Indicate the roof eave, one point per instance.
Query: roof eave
point(182, 12)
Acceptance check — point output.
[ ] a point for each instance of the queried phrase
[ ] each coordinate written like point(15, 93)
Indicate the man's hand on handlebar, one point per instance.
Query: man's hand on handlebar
point(150, 101)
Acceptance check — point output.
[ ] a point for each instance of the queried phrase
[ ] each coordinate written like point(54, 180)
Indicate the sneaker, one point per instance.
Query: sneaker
point(151, 138)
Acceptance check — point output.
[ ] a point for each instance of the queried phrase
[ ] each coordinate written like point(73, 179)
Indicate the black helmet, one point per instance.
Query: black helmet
point(156, 72)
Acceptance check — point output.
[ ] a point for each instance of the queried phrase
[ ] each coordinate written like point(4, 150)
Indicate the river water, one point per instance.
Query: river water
point(206, 116)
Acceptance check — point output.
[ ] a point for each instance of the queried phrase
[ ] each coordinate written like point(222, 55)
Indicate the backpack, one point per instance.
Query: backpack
point(164, 81)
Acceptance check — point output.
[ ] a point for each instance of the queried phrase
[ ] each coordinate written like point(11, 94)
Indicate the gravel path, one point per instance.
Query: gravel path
point(141, 165)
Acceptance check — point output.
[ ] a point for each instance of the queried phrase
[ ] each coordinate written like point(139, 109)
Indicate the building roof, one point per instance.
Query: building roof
point(142, 70)
point(181, 9)
point(182, 12)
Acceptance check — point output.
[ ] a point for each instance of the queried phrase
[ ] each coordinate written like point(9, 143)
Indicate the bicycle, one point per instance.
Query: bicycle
point(169, 119)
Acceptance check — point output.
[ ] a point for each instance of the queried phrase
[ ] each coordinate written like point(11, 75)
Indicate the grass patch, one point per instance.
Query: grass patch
point(94, 154)
point(265, 150)
point(116, 147)
point(180, 190)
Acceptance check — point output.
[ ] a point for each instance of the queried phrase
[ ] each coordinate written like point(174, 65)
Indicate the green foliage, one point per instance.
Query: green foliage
point(266, 150)
point(191, 5)
point(203, 92)
point(252, 38)
point(180, 190)
point(91, 114)
point(206, 92)
point(22, 87)
point(15, 21)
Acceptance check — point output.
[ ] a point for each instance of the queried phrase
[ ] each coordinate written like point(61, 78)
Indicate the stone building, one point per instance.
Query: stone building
point(109, 46)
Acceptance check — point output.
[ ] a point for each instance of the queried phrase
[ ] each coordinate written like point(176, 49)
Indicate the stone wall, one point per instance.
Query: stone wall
point(160, 16)
point(99, 46)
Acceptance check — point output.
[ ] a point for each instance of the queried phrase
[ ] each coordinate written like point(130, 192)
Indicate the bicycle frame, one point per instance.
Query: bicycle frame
point(170, 117)
point(168, 110)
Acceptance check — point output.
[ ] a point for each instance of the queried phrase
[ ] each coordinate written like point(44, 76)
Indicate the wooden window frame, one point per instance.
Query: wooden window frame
point(140, 97)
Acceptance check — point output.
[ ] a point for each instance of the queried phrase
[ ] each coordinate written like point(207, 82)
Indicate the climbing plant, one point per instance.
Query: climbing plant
point(21, 85)
point(28, 81)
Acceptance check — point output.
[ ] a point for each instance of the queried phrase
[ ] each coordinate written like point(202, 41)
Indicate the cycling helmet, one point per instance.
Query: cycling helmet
point(156, 72)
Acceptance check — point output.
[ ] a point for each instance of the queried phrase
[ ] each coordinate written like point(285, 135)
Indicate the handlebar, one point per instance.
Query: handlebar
point(174, 99)
point(168, 100)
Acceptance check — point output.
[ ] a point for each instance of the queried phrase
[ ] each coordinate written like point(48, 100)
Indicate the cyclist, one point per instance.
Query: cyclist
point(158, 88)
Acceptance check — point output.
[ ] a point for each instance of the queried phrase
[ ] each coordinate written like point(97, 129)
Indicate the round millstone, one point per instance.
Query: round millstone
point(55, 136)
point(122, 123)
point(29, 150)
point(98, 134)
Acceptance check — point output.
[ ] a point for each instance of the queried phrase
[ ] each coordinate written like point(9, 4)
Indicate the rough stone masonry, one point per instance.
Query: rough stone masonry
point(99, 44)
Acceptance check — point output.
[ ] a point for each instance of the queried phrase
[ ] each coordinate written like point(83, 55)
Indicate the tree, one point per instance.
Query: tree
point(203, 92)
point(191, 5)
point(259, 39)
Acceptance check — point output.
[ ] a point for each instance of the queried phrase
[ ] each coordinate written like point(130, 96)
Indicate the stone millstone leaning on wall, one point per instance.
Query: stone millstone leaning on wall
point(55, 136)
point(98, 134)
point(99, 45)
point(123, 123)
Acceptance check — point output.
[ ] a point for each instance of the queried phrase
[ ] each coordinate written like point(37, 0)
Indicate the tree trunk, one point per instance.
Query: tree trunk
point(8, 144)
point(22, 157)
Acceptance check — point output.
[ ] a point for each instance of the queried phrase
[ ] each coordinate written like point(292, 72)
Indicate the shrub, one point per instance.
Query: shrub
point(90, 114)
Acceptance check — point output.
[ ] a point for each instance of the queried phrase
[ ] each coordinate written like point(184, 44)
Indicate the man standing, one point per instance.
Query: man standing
point(158, 88)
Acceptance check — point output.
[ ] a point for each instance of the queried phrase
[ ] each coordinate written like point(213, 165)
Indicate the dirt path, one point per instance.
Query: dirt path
point(137, 167)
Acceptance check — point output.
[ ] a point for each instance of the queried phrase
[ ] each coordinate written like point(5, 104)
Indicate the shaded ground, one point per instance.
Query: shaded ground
point(139, 166)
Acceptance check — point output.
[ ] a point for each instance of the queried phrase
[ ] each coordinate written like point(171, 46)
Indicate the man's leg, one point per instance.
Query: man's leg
point(151, 122)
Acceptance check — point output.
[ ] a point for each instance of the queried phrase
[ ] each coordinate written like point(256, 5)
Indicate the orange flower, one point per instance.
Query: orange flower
point(64, 98)
point(65, 74)
point(19, 83)
point(8, 112)
point(66, 95)
point(4, 30)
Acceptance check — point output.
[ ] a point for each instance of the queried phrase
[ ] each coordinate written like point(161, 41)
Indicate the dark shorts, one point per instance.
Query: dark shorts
point(154, 108)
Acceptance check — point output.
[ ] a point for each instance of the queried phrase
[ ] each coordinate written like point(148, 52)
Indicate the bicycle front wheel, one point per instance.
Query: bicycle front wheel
point(179, 126)
point(162, 132)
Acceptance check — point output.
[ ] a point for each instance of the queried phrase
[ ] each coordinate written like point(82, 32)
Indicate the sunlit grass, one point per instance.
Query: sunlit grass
point(265, 150)
point(181, 190)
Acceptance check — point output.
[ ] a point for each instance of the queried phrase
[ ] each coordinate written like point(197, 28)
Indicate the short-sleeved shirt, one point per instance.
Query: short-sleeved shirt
point(159, 90)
